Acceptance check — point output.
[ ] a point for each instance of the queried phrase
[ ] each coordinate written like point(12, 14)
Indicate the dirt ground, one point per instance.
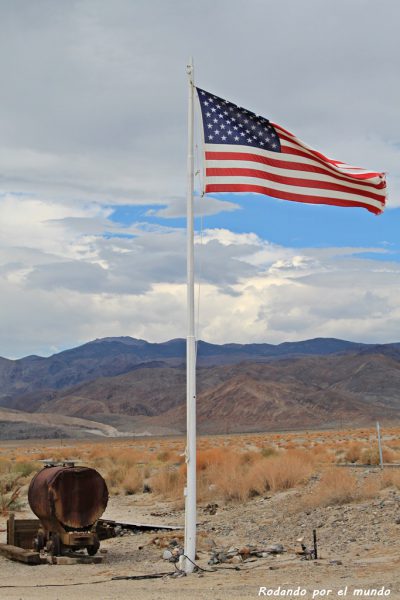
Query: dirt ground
point(359, 546)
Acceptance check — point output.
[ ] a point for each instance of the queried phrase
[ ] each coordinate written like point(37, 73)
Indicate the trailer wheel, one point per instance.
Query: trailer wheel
point(93, 548)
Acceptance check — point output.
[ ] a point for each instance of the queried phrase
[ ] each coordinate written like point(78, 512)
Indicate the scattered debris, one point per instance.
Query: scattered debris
point(274, 549)
point(174, 547)
point(210, 509)
point(160, 514)
point(308, 553)
point(238, 555)
point(106, 528)
point(168, 541)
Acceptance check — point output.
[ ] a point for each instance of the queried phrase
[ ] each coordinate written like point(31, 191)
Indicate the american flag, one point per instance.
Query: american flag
point(248, 153)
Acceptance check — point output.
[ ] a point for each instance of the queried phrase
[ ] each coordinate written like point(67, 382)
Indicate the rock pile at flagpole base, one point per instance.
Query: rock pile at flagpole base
point(244, 553)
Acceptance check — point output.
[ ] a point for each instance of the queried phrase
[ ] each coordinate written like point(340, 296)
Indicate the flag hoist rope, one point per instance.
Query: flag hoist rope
point(190, 490)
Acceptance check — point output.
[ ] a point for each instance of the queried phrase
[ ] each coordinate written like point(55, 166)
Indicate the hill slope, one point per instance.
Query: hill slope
point(114, 356)
point(291, 393)
point(133, 385)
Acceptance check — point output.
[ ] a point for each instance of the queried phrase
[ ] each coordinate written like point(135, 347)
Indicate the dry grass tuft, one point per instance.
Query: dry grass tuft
point(10, 490)
point(279, 473)
point(354, 452)
point(268, 451)
point(168, 482)
point(339, 486)
point(390, 478)
point(13, 477)
point(370, 456)
point(232, 476)
point(132, 483)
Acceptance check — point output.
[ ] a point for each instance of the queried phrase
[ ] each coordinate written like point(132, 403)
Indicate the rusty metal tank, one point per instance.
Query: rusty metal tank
point(68, 498)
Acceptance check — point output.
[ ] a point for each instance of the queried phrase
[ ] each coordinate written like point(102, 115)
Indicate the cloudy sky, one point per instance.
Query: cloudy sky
point(93, 171)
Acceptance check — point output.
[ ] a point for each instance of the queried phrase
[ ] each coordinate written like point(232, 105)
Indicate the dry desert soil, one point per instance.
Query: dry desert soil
point(359, 550)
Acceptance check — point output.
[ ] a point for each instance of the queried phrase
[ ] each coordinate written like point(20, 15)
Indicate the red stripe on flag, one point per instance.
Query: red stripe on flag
point(293, 166)
point(238, 187)
point(290, 137)
point(295, 181)
point(312, 155)
point(361, 176)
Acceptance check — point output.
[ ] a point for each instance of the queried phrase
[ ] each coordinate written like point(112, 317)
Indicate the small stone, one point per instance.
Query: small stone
point(167, 555)
point(275, 549)
point(335, 562)
point(103, 550)
point(236, 559)
point(397, 521)
point(221, 556)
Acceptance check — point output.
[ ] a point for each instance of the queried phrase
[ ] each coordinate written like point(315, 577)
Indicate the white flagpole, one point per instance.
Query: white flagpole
point(190, 490)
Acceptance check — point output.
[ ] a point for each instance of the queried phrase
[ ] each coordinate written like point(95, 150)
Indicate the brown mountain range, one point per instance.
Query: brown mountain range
point(134, 386)
point(303, 392)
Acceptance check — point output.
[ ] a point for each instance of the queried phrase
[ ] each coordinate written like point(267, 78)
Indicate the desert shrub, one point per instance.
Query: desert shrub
point(248, 458)
point(323, 454)
point(288, 470)
point(114, 474)
point(146, 471)
point(370, 456)
point(5, 466)
point(13, 477)
point(169, 482)
point(232, 476)
point(164, 456)
point(228, 481)
point(238, 480)
point(339, 486)
point(212, 456)
point(132, 483)
point(390, 478)
point(268, 451)
point(10, 489)
point(354, 452)
point(25, 468)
